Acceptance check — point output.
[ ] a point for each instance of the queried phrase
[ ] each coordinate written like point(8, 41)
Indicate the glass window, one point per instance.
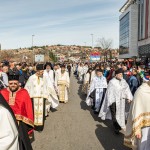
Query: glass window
point(124, 35)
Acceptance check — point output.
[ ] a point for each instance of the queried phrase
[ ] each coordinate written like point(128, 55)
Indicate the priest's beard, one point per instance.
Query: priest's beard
point(63, 71)
point(119, 78)
point(48, 70)
point(38, 74)
point(13, 88)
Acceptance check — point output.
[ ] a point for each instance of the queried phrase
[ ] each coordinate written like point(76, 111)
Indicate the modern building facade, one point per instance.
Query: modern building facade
point(135, 39)
point(144, 29)
point(128, 38)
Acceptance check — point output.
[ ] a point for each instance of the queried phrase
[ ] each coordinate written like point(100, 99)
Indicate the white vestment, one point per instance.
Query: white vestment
point(139, 120)
point(86, 83)
point(93, 74)
point(117, 92)
point(8, 131)
point(63, 83)
point(98, 84)
point(85, 69)
point(38, 91)
point(80, 72)
point(52, 89)
point(74, 67)
point(49, 74)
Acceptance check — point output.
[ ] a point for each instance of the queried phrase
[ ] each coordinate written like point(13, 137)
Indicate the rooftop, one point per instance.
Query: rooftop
point(126, 5)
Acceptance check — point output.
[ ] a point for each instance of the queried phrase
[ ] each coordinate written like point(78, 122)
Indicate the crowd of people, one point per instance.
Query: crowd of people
point(27, 94)
point(119, 92)
point(114, 90)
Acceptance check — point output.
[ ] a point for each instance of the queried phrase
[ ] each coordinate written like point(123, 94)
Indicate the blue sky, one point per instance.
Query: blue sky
point(58, 22)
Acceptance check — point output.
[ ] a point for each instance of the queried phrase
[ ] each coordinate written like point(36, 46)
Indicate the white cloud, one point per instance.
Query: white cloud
point(60, 21)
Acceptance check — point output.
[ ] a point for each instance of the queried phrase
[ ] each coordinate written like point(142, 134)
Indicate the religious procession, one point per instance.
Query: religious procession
point(27, 95)
point(74, 74)
point(117, 91)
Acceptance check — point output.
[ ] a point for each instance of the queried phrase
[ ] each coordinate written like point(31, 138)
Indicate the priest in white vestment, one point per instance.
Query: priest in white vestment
point(85, 69)
point(9, 136)
point(49, 77)
point(97, 89)
point(38, 91)
point(81, 72)
point(56, 72)
point(87, 81)
point(137, 135)
point(48, 72)
point(94, 72)
point(8, 131)
point(113, 107)
point(63, 83)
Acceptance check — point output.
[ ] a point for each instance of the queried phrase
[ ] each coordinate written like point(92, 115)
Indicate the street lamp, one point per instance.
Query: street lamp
point(85, 48)
point(92, 39)
point(33, 48)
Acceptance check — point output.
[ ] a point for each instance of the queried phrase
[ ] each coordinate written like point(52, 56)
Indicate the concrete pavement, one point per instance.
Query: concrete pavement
point(74, 127)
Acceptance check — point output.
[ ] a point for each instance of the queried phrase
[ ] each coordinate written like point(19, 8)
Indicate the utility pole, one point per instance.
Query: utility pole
point(92, 40)
point(33, 48)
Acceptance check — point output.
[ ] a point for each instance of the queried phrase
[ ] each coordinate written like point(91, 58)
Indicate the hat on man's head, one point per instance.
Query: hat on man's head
point(99, 70)
point(48, 64)
point(13, 77)
point(118, 71)
point(39, 67)
point(63, 66)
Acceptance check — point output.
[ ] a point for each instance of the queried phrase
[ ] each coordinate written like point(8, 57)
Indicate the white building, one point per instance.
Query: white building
point(128, 38)
point(144, 29)
point(135, 29)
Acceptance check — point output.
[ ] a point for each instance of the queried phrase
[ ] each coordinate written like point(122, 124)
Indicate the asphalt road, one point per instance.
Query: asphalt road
point(73, 126)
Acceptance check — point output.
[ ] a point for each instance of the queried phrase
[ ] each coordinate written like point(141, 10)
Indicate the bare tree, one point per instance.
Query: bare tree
point(105, 45)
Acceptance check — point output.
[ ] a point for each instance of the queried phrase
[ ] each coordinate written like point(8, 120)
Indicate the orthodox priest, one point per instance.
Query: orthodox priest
point(48, 72)
point(63, 83)
point(97, 91)
point(9, 136)
point(38, 91)
point(52, 89)
point(21, 105)
point(137, 135)
point(118, 92)
point(87, 81)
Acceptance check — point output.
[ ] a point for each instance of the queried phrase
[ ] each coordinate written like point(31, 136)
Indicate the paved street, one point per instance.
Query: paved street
point(74, 127)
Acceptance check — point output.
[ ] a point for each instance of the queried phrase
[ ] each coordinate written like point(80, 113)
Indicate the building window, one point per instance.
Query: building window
point(124, 35)
point(141, 21)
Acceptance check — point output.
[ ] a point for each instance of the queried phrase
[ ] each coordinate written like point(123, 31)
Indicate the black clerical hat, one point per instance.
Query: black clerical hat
point(48, 64)
point(63, 66)
point(99, 70)
point(39, 67)
point(120, 70)
point(13, 77)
